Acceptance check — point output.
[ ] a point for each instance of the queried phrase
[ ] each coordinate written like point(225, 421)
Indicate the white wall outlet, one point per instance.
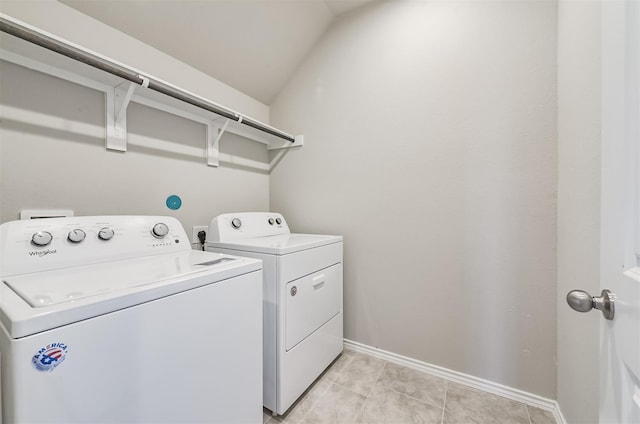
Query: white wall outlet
point(196, 230)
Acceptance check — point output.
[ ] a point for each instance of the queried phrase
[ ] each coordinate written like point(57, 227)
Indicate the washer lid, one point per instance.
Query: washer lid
point(67, 285)
point(278, 245)
point(36, 302)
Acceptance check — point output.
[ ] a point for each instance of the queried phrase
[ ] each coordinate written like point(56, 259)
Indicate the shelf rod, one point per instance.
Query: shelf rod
point(41, 40)
point(55, 46)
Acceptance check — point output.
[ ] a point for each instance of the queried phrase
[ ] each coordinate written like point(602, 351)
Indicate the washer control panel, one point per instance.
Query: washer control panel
point(237, 226)
point(54, 243)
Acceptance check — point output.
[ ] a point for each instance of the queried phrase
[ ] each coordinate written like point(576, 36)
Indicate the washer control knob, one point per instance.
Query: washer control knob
point(271, 221)
point(278, 221)
point(106, 233)
point(41, 238)
point(236, 223)
point(76, 236)
point(160, 230)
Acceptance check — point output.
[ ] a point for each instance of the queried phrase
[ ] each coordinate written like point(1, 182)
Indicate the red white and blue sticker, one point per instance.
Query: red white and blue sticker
point(49, 357)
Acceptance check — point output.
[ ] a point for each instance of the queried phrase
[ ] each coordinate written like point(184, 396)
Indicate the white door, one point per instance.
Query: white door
point(620, 242)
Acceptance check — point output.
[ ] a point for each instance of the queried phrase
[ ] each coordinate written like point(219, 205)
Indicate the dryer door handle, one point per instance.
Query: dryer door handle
point(318, 281)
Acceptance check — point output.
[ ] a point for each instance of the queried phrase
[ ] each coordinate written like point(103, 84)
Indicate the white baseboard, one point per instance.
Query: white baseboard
point(458, 377)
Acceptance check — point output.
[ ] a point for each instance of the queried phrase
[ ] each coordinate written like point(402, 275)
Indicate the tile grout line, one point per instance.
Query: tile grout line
point(444, 405)
point(348, 389)
point(313, 405)
point(528, 414)
point(445, 381)
point(374, 383)
point(361, 412)
point(384, 366)
point(415, 398)
point(366, 398)
point(320, 397)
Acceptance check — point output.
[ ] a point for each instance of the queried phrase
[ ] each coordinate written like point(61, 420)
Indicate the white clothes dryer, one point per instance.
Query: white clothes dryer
point(116, 319)
point(302, 298)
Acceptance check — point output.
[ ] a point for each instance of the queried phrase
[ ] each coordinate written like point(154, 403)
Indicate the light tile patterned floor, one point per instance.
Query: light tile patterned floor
point(361, 389)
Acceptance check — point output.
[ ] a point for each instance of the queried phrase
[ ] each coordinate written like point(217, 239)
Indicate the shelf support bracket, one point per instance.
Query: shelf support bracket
point(214, 134)
point(118, 100)
point(287, 145)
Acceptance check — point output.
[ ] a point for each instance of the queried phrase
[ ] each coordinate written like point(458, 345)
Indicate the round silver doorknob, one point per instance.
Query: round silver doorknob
point(582, 301)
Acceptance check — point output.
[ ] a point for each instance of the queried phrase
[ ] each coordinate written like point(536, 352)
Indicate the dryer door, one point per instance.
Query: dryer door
point(311, 301)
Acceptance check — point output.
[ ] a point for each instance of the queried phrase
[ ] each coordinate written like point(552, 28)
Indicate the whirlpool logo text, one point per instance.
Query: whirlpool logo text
point(41, 253)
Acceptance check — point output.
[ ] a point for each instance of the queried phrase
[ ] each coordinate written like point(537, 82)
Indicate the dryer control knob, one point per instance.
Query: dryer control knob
point(160, 230)
point(76, 236)
point(41, 238)
point(271, 221)
point(236, 223)
point(278, 221)
point(106, 233)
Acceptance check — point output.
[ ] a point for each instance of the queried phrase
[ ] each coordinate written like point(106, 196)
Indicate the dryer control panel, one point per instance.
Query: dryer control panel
point(55, 243)
point(237, 226)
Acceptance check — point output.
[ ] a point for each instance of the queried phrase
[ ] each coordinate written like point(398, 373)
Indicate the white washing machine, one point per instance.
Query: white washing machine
point(115, 319)
point(302, 293)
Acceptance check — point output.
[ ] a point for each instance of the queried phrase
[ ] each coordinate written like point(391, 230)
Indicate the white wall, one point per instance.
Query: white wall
point(579, 126)
point(430, 144)
point(52, 137)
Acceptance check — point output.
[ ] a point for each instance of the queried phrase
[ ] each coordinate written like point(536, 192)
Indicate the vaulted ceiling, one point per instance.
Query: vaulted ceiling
point(251, 45)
